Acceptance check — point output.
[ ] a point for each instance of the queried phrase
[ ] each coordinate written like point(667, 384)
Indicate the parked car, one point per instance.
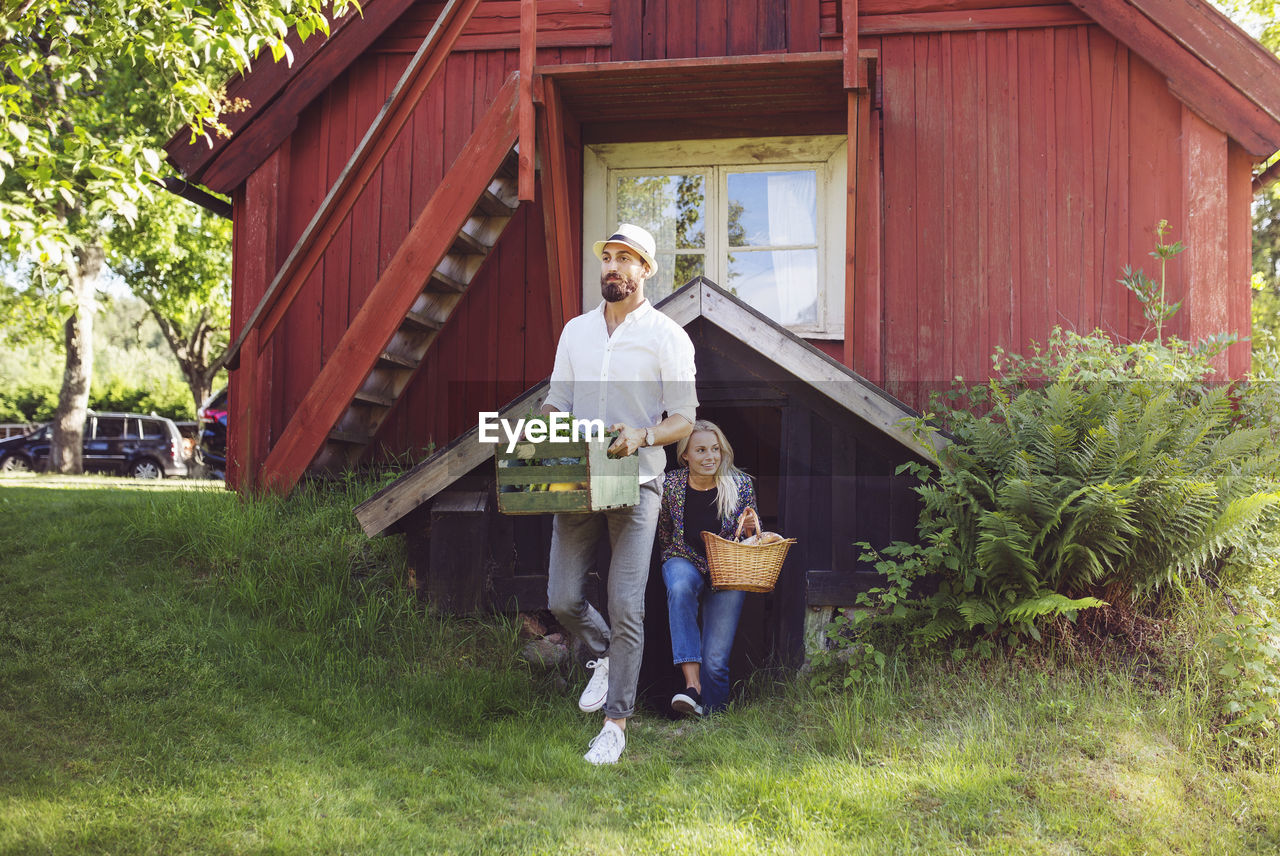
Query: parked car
point(147, 447)
point(213, 434)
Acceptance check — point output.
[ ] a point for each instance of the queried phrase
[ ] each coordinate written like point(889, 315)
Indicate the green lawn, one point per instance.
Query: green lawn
point(182, 671)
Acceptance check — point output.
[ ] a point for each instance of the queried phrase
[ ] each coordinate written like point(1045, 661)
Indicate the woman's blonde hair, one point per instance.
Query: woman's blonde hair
point(726, 474)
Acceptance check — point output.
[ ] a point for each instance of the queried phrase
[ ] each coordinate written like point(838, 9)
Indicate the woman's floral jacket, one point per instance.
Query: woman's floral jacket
point(671, 516)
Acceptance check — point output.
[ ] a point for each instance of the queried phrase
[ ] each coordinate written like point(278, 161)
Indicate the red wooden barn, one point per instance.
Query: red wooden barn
point(903, 183)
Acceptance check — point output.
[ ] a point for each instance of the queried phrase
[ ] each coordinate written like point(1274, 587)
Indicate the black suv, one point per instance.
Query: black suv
point(146, 447)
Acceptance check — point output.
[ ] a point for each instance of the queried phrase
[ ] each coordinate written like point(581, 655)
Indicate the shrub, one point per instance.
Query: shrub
point(1120, 478)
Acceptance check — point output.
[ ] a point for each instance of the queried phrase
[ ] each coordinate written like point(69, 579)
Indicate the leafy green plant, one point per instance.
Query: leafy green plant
point(1152, 296)
point(849, 657)
point(1249, 647)
point(1090, 472)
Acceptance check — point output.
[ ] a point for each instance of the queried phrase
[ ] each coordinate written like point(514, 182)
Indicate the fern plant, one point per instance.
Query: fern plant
point(1100, 471)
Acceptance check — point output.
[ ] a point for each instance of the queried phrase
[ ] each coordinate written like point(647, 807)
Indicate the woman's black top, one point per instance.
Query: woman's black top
point(699, 515)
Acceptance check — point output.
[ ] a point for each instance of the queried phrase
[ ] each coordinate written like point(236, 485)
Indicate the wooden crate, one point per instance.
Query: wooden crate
point(609, 482)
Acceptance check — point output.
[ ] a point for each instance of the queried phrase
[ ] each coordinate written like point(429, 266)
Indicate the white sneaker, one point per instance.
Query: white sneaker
point(606, 747)
point(597, 690)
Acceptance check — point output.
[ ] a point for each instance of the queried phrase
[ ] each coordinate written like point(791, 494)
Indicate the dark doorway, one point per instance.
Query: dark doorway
point(754, 431)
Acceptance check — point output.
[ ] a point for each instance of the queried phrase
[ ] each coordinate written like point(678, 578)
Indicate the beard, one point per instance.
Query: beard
point(616, 287)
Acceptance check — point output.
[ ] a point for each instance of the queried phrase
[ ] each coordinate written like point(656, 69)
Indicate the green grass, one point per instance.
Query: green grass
point(184, 671)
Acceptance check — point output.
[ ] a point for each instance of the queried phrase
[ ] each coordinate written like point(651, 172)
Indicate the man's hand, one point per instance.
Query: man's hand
point(629, 440)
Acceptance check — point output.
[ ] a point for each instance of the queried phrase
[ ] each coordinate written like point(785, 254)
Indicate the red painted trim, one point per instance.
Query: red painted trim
point(908, 7)
point(249, 423)
point(1239, 257)
point(1194, 83)
point(849, 44)
point(261, 85)
point(1223, 46)
point(528, 46)
point(1059, 15)
point(855, 153)
point(271, 125)
point(1205, 188)
point(557, 202)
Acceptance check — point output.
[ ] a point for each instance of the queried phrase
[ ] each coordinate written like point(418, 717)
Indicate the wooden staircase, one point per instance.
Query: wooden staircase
point(391, 335)
point(408, 347)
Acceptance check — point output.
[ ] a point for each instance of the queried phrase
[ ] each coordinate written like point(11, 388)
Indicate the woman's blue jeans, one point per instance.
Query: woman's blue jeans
point(710, 647)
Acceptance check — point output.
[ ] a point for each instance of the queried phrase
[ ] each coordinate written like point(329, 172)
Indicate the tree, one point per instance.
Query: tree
point(177, 259)
point(89, 90)
point(1262, 19)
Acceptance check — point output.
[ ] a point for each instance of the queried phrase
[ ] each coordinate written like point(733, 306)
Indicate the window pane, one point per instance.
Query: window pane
point(688, 266)
point(782, 284)
point(670, 206)
point(673, 208)
point(111, 426)
point(773, 209)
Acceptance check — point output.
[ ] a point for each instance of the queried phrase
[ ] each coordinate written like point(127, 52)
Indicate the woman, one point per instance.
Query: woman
point(706, 492)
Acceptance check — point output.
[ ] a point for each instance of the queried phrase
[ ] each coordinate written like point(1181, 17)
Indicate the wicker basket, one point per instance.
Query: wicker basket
point(736, 566)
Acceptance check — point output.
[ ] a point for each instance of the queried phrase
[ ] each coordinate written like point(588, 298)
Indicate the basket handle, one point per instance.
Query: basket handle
point(747, 513)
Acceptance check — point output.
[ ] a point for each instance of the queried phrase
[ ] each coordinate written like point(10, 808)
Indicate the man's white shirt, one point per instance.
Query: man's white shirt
point(645, 368)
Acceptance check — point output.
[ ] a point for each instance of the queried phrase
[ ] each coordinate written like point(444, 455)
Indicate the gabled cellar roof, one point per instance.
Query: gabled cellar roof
point(699, 299)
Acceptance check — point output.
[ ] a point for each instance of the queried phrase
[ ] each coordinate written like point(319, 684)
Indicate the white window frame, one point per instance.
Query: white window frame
point(826, 155)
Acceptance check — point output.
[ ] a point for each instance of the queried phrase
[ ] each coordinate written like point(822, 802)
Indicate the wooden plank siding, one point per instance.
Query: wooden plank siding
point(1024, 159)
point(1022, 170)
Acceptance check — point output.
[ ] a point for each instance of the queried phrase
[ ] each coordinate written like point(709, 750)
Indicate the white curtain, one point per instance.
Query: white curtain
point(792, 215)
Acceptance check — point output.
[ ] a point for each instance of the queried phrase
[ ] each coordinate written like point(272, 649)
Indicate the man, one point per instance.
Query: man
point(624, 363)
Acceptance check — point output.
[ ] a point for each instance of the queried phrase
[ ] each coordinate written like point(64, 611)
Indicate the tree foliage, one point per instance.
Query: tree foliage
point(177, 260)
point(89, 91)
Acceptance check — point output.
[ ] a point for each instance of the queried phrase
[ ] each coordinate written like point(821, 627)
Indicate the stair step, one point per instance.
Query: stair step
point(422, 321)
point(510, 165)
point(350, 438)
point(491, 205)
point(467, 245)
point(443, 282)
point(374, 399)
point(396, 360)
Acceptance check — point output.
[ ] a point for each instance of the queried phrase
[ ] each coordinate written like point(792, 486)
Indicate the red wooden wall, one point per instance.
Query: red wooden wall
point(1023, 165)
point(1023, 169)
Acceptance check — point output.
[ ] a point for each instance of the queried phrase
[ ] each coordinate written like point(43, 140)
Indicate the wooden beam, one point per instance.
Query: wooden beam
point(356, 175)
point(849, 17)
point(853, 147)
point(1190, 80)
point(381, 511)
point(864, 307)
point(528, 49)
point(268, 128)
point(692, 67)
point(826, 375)
point(1012, 18)
point(1223, 46)
point(260, 86)
point(395, 292)
point(562, 257)
point(1204, 193)
point(255, 254)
